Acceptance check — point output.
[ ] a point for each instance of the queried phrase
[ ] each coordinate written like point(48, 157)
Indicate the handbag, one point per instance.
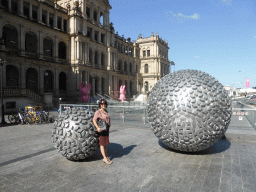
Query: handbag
point(102, 124)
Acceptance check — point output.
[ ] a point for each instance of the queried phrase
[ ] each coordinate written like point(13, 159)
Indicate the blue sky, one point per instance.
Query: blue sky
point(214, 36)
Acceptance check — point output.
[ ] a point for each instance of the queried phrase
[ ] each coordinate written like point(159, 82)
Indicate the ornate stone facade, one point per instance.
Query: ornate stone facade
point(50, 46)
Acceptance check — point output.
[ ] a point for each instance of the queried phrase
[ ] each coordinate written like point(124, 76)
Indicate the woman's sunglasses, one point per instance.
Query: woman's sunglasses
point(103, 103)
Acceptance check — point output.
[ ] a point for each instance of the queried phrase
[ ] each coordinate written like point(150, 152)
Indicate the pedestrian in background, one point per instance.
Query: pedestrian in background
point(102, 114)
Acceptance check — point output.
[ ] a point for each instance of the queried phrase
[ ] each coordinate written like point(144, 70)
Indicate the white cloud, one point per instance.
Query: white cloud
point(180, 16)
point(226, 2)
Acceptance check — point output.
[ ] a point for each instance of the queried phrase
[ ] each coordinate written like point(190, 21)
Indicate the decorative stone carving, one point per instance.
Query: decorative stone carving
point(189, 110)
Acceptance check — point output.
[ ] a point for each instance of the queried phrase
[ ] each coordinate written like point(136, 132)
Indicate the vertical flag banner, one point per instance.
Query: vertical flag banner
point(247, 83)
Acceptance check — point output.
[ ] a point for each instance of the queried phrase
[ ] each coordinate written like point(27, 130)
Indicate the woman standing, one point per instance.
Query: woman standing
point(102, 114)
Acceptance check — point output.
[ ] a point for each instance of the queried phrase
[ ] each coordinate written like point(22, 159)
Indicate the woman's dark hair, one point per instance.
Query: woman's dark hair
point(103, 101)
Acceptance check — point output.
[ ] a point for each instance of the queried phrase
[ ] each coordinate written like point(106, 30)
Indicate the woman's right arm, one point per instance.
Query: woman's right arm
point(94, 120)
point(96, 125)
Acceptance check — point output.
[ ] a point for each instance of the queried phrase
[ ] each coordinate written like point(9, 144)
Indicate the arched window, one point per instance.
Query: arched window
point(120, 83)
point(146, 86)
point(31, 43)
point(48, 81)
point(101, 18)
point(102, 59)
point(10, 36)
point(32, 79)
point(48, 47)
point(125, 67)
point(103, 85)
point(62, 50)
point(130, 67)
point(119, 65)
point(12, 76)
point(131, 93)
point(97, 88)
point(96, 58)
point(62, 81)
point(146, 68)
point(90, 55)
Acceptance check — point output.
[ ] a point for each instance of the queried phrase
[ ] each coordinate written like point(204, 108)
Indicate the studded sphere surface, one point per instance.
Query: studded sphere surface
point(189, 110)
point(74, 134)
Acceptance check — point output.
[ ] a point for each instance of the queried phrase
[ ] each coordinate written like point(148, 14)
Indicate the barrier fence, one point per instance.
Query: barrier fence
point(138, 112)
point(123, 113)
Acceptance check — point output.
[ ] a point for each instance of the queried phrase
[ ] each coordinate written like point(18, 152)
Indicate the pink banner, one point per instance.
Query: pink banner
point(247, 83)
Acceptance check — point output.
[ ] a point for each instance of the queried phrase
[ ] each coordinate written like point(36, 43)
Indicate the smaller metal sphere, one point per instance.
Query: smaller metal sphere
point(189, 110)
point(74, 134)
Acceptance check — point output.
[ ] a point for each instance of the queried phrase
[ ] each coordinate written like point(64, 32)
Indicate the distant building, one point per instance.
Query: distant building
point(154, 61)
point(50, 46)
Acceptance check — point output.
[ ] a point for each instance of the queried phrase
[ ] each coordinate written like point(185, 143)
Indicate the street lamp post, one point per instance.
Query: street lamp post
point(172, 63)
point(2, 102)
point(128, 52)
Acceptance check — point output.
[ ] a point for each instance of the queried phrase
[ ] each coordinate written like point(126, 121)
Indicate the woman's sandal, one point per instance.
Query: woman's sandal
point(107, 162)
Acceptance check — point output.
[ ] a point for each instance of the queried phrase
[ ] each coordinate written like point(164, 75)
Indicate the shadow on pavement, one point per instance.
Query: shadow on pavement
point(220, 146)
point(114, 151)
point(8, 124)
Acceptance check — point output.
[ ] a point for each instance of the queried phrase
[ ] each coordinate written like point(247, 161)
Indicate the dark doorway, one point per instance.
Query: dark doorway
point(62, 82)
point(12, 76)
point(32, 79)
point(48, 81)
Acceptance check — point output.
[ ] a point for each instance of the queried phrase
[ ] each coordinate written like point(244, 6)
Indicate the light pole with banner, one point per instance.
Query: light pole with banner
point(172, 63)
point(128, 52)
point(2, 102)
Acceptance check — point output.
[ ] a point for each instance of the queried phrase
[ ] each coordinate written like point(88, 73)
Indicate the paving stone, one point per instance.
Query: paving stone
point(141, 163)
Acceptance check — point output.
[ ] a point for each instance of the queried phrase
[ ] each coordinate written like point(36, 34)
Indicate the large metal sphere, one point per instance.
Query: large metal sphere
point(189, 110)
point(74, 134)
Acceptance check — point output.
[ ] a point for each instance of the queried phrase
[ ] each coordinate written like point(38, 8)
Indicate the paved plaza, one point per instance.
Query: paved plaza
point(28, 162)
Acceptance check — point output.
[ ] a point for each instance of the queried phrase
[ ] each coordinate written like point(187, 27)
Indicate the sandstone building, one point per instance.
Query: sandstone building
point(48, 47)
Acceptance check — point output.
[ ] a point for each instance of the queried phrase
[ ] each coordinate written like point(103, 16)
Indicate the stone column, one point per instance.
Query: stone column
point(98, 15)
point(92, 8)
point(47, 18)
point(55, 20)
point(93, 86)
point(84, 27)
point(87, 50)
point(99, 37)
point(10, 5)
point(20, 7)
point(56, 49)
point(80, 50)
point(40, 46)
point(100, 82)
point(22, 40)
point(84, 9)
point(109, 60)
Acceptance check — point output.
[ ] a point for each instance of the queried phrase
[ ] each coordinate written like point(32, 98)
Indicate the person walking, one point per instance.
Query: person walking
point(102, 114)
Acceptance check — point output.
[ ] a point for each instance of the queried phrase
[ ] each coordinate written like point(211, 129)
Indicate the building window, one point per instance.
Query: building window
point(34, 12)
point(102, 38)
point(44, 17)
point(146, 68)
point(148, 53)
point(144, 53)
point(65, 25)
point(51, 15)
point(95, 16)
point(59, 22)
point(26, 8)
point(88, 12)
point(5, 3)
point(62, 50)
point(14, 5)
point(11, 105)
point(146, 86)
point(96, 36)
point(89, 32)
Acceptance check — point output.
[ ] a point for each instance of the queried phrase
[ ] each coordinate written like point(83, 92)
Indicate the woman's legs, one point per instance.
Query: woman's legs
point(103, 152)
